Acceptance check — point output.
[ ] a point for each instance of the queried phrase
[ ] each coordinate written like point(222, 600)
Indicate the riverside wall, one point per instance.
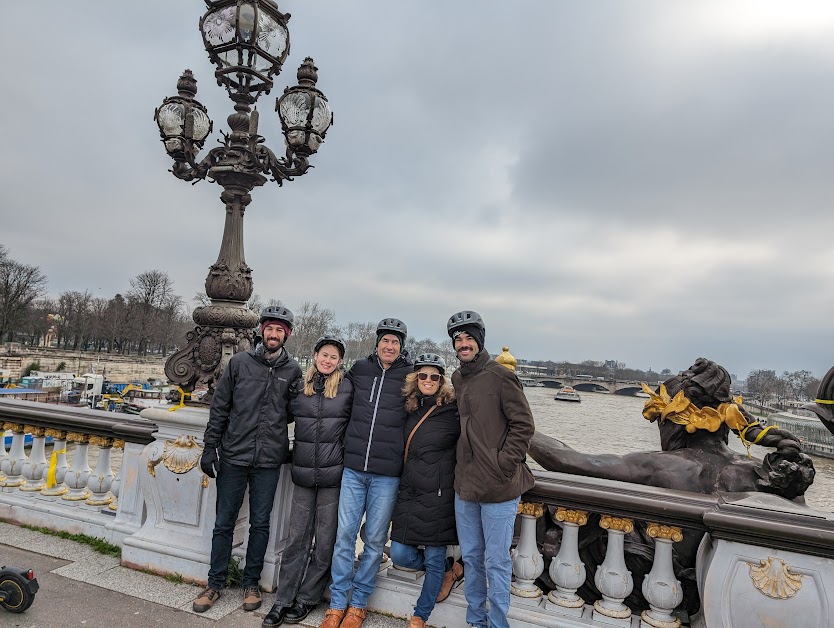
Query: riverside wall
point(114, 366)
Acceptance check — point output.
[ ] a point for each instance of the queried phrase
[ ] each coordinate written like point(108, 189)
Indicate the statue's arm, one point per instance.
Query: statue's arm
point(825, 412)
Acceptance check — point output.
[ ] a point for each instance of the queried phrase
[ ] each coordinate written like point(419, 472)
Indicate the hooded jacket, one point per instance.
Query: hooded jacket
point(374, 438)
point(425, 510)
point(320, 423)
point(250, 409)
point(496, 427)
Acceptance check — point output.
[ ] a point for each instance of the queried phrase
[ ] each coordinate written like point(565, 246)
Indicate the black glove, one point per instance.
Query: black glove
point(209, 462)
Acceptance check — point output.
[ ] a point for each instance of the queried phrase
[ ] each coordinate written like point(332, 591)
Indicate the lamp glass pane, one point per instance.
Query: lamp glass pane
point(219, 27)
point(321, 116)
point(294, 109)
point(201, 124)
point(246, 22)
point(171, 118)
point(272, 36)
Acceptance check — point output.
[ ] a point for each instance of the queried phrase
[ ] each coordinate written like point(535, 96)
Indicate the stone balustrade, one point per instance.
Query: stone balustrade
point(757, 559)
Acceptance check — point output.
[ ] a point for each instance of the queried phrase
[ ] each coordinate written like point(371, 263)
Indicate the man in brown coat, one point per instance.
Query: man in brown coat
point(496, 426)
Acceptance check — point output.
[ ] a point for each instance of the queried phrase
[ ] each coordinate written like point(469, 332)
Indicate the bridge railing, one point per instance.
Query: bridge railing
point(589, 552)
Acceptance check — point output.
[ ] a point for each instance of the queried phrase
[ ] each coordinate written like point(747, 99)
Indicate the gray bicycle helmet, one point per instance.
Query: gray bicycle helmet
point(277, 313)
point(430, 359)
point(463, 319)
point(392, 326)
point(330, 340)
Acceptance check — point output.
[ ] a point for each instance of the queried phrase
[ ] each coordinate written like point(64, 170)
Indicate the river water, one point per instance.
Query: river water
point(606, 423)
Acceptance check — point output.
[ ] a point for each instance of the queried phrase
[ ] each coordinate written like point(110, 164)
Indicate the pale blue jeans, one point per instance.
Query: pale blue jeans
point(485, 533)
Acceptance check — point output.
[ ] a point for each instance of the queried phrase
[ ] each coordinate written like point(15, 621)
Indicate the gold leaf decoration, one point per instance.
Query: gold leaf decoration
point(527, 508)
point(178, 456)
point(578, 517)
point(670, 533)
point(607, 522)
point(774, 578)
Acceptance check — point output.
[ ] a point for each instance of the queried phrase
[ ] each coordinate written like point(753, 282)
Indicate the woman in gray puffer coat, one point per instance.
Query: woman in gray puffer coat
point(320, 405)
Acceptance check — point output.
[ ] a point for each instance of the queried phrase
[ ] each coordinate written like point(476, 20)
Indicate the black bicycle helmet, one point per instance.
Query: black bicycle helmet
point(277, 313)
point(430, 359)
point(462, 319)
point(394, 326)
point(330, 340)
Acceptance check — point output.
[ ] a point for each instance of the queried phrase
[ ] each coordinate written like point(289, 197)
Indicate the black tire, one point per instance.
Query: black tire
point(18, 598)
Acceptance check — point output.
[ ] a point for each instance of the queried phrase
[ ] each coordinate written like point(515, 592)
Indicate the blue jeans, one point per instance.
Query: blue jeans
point(374, 496)
point(485, 533)
point(433, 561)
point(232, 481)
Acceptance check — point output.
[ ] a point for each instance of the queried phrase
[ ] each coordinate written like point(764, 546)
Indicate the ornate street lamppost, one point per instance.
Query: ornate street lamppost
point(248, 41)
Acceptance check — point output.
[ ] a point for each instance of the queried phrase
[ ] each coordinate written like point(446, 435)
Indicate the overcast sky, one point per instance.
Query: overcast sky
point(648, 182)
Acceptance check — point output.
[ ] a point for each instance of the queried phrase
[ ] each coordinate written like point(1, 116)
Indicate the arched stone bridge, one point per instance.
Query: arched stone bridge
point(616, 387)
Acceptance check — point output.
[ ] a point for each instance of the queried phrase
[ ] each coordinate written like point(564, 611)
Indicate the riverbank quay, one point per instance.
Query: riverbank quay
point(658, 557)
point(81, 587)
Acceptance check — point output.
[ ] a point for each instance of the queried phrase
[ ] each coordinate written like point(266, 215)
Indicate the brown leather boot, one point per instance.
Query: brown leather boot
point(354, 617)
point(449, 579)
point(416, 622)
point(332, 618)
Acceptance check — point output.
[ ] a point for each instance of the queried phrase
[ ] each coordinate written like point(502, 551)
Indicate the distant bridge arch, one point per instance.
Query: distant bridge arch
point(618, 387)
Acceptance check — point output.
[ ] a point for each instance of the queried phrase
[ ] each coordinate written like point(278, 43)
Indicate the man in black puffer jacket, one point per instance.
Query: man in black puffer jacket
point(246, 443)
point(373, 463)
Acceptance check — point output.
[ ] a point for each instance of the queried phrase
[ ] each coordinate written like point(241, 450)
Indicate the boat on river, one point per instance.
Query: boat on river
point(567, 393)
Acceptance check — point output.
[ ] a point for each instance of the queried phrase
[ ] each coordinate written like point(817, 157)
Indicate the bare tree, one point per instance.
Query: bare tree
point(311, 323)
point(763, 385)
point(20, 285)
point(150, 291)
point(797, 382)
point(359, 339)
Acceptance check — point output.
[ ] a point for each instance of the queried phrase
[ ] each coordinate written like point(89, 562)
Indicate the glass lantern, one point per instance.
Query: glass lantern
point(183, 121)
point(248, 41)
point(304, 112)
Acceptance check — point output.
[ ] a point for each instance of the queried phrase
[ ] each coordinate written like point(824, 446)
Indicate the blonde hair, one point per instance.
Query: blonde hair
point(445, 393)
point(331, 383)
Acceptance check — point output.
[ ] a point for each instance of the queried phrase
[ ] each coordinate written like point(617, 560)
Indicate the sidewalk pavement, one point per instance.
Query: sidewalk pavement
point(81, 587)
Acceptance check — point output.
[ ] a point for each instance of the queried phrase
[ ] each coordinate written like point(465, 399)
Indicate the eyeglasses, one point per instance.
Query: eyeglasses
point(435, 377)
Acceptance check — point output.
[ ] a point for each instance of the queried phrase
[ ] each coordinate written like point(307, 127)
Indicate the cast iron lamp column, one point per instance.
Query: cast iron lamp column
point(248, 41)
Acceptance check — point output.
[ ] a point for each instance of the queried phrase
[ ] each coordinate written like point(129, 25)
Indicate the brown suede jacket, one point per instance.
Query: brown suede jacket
point(496, 426)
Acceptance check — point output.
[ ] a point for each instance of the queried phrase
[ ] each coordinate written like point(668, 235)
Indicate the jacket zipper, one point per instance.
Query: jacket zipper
point(266, 395)
point(373, 418)
point(318, 440)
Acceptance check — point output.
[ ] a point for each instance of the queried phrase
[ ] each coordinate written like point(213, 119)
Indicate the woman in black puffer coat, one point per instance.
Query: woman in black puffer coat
point(320, 404)
point(424, 514)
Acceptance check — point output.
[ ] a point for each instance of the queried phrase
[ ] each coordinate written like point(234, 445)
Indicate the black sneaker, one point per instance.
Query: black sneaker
point(275, 616)
point(298, 612)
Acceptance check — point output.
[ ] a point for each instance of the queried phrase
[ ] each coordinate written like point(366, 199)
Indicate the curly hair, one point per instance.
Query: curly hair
point(445, 394)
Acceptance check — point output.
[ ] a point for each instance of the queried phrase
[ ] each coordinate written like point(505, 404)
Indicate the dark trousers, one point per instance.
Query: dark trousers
point(232, 481)
point(304, 574)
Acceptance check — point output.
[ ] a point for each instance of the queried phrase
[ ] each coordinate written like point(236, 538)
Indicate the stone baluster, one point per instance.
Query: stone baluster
point(613, 579)
point(55, 483)
point(661, 589)
point(78, 474)
point(101, 479)
point(34, 469)
point(567, 569)
point(13, 463)
point(3, 453)
point(116, 487)
point(528, 563)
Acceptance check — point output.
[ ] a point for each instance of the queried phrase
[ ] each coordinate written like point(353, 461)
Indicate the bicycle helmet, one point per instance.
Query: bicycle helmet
point(464, 319)
point(391, 326)
point(330, 340)
point(277, 313)
point(430, 359)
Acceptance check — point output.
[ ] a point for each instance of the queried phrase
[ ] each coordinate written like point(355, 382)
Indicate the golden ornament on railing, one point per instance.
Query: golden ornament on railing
point(17, 428)
point(77, 437)
point(774, 578)
point(531, 509)
point(119, 443)
point(660, 531)
point(101, 441)
point(505, 358)
point(682, 411)
point(56, 434)
point(607, 522)
point(578, 517)
point(178, 456)
point(34, 431)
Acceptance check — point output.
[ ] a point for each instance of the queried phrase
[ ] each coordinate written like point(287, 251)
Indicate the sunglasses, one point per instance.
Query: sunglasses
point(435, 377)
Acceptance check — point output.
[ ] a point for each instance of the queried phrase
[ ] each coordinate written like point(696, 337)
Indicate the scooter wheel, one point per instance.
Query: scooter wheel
point(16, 597)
